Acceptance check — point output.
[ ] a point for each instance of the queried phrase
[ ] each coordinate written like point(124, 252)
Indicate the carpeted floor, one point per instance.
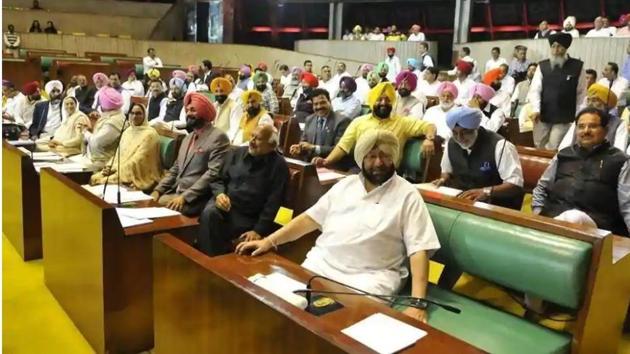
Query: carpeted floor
point(33, 321)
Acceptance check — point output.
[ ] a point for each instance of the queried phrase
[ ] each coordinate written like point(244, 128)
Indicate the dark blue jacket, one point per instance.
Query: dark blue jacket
point(40, 118)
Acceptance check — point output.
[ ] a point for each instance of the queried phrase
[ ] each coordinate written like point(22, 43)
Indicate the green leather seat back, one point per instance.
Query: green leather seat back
point(139, 71)
point(411, 162)
point(168, 154)
point(443, 220)
point(493, 330)
point(551, 267)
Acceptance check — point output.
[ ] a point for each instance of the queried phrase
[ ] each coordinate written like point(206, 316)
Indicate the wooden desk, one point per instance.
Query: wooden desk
point(207, 305)
point(100, 273)
point(21, 215)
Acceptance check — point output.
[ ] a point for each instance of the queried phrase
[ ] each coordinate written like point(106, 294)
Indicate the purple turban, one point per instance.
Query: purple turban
point(350, 83)
point(484, 91)
point(245, 70)
point(408, 76)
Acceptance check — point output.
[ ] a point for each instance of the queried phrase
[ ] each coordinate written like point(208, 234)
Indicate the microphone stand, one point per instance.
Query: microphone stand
point(124, 127)
point(416, 302)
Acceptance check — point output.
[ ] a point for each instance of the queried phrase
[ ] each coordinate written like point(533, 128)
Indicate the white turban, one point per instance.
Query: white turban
point(569, 20)
point(577, 217)
point(50, 85)
point(385, 140)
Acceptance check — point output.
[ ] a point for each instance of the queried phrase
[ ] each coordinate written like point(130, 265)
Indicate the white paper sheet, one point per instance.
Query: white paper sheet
point(128, 222)
point(111, 196)
point(296, 162)
point(281, 286)
point(384, 334)
point(324, 174)
point(146, 213)
point(442, 190)
point(21, 142)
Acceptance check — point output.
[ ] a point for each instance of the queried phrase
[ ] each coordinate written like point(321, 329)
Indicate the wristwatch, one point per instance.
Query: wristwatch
point(487, 191)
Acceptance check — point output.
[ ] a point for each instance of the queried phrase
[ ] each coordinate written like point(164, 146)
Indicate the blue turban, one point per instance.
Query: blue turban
point(177, 82)
point(350, 83)
point(465, 117)
point(413, 62)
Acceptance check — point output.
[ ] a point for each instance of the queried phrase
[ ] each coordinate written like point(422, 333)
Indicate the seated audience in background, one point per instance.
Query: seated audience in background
point(363, 87)
point(12, 41)
point(425, 60)
point(247, 194)
point(68, 138)
point(382, 99)
point(173, 116)
point(269, 99)
point(84, 94)
point(587, 183)
point(100, 80)
point(186, 186)
point(376, 35)
point(192, 80)
point(568, 26)
point(465, 56)
point(464, 82)
point(255, 114)
point(24, 108)
point(133, 85)
point(522, 88)
point(47, 114)
point(140, 164)
point(507, 82)
point(606, 26)
point(346, 104)
point(543, 31)
point(373, 79)
point(385, 210)
point(10, 97)
point(494, 103)
point(357, 34)
point(206, 72)
point(484, 165)
point(521, 108)
point(72, 86)
point(599, 30)
point(416, 35)
point(519, 64)
point(393, 64)
point(340, 73)
point(157, 100)
point(229, 112)
point(326, 81)
point(236, 93)
point(599, 97)
point(624, 30)
point(263, 67)
point(557, 89)
point(495, 59)
point(35, 27)
point(285, 75)
point(304, 103)
point(395, 35)
point(382, 69)
point(591, 77)
point(322, 131)
point(308, 66)
point(412, 65)
point(50, 28)
point(100, 142)
point(292, 87)
point(244, 77)
point(114, 82)
point(407, 105)
point(428, 85)
point(447, 92)
point(151, 61)
point(618, 84)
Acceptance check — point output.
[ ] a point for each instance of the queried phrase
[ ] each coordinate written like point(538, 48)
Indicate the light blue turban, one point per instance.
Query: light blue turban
point(413, 62)
point(465, 117)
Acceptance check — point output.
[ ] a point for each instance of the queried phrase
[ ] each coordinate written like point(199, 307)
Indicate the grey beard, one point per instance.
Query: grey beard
point(557, 61)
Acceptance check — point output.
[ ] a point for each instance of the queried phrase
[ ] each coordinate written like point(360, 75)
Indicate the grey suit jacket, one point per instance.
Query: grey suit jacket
point(335, 127)
point(193, 171)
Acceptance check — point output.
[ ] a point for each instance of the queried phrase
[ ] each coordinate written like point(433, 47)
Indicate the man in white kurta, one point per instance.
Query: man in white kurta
point(447, 93)
point(370, 223)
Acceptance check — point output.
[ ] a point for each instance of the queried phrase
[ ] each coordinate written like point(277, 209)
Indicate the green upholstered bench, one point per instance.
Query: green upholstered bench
point(168, 151)
point(552, 267)
point(414, 167)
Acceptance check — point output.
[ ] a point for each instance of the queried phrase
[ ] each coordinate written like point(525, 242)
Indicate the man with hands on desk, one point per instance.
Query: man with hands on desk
point(322, 131)
point(382, 99)
point(370, 223)
point(480, 162)
point(186, 186)
point(248, 192)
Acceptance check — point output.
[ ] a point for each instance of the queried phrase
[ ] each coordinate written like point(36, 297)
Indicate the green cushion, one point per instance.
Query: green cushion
point(46, 62)
point(551, 267)
point(411, 162)
point(167, 151)
point(140, 70)
point(443, 220)
point(493, 330)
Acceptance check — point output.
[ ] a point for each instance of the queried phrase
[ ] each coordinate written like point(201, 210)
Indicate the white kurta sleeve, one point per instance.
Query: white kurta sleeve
point(621, 136)
point(319, 211)
point(535, 90)
point(508, 163)
point(568, 138)
point(445, 164)
point(417, 227)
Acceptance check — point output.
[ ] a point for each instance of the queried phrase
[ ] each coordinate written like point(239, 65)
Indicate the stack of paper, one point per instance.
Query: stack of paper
point(146, 213)
point(325, 174)
point(46, 156)
point(281, 286)
point(128, 222)
point(111, 194)
point(384, 334)
point(442, 190)
point(21, 142)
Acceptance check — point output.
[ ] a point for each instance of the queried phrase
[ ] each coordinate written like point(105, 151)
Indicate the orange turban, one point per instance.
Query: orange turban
point(202, 105)
point(310, 79)
point(224, 84)
point(492, 76)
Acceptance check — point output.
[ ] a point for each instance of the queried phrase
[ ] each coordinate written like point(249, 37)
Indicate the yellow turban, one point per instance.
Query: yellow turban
point(224, 84)
point(257, 96)
point(154, 74)
point(383, 88)
point(385, 140)
point(602, 92)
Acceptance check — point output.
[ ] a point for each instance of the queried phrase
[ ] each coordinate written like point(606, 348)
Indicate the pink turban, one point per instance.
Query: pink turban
point(368, 67)
point(246, 70)
point(109, 98)
point(484, 91)
point(194, 69)
point(448, 86)
point(202, 105)
point(100, 79)
point(464, 67)
point(180, 74)
point(408, 76)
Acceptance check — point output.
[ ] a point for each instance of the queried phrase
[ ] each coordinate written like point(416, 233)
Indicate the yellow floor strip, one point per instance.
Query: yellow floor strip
point(33, 321)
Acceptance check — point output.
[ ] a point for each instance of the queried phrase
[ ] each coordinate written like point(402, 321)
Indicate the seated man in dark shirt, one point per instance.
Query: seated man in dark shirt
point(247, 195)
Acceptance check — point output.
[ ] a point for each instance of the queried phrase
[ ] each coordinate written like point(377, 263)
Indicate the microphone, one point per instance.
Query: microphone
point(414, 301)
point(124, 127)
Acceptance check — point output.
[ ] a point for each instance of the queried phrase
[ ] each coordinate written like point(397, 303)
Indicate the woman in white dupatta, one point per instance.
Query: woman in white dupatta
point(67, 139)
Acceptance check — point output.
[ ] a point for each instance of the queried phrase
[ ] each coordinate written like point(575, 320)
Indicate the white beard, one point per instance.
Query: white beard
point(558, 61)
